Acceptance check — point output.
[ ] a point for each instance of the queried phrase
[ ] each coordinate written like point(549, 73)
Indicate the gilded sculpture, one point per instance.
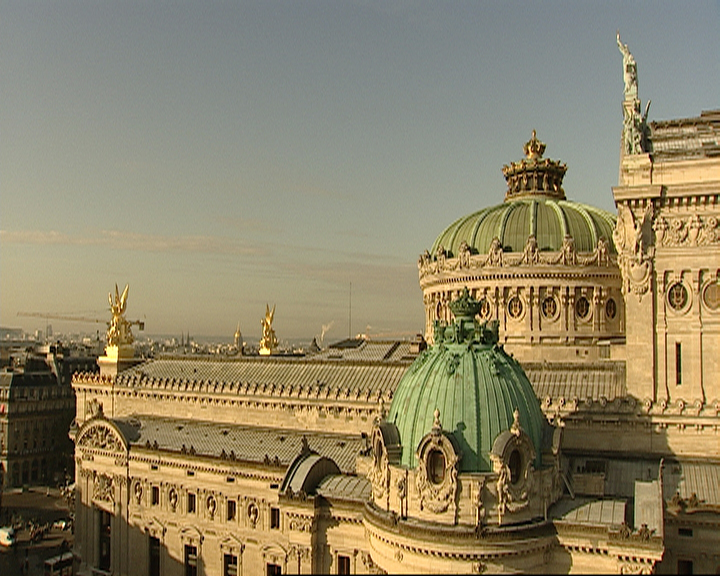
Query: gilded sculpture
point(268, 342)
point(119, 332)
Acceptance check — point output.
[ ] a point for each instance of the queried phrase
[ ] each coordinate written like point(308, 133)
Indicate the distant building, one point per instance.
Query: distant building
point(37, 405)
point(596, 450)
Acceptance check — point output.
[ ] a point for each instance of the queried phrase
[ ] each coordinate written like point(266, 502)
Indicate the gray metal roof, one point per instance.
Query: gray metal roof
point(687, 137)
point(369, 351)
point(247, 443)
point(581, 380)
point(341, 487)
point(594, 512)
point(296, 377)
point(688, 478)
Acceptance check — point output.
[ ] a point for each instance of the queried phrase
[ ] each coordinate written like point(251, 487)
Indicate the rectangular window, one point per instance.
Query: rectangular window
point(230, 565)
point(343, 565)
point(678, 364)
point(273, 570)
point(154, 568)
point(684, 567)
point(231, 510)
point(155, 495)
point(105, 533)
point(191, 560)
point(594, 467)
point(687, 532)
point(191, 503)
point(275, 518)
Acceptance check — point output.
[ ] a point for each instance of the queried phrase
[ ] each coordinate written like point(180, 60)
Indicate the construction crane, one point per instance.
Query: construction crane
point(139, 323)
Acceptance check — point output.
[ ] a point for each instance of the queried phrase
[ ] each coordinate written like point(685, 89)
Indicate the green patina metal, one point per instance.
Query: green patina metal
point(514, 220)
point(474, 384)
point(534, 204)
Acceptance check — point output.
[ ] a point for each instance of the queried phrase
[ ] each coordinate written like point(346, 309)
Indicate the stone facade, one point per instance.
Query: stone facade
point(303, 465)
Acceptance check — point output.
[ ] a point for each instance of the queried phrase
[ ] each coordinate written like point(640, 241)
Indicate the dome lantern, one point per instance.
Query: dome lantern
point(534, 175)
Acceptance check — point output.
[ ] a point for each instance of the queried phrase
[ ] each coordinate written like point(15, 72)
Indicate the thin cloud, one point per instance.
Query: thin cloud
point(121, 240)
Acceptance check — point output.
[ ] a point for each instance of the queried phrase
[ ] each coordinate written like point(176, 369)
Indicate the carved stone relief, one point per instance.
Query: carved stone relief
point(633, 241)
point(103, 488)
point(101, 437)
point(690, 231)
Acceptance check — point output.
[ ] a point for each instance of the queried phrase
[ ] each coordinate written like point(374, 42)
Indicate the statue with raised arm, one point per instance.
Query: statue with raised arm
point(268, 342)
point(629, 70)
point(119, 332)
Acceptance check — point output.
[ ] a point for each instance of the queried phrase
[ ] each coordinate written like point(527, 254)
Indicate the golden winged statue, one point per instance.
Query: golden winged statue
point(268, 342)
point(119, 332)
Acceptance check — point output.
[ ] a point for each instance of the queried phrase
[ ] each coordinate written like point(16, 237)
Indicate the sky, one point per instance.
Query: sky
point(221, 156)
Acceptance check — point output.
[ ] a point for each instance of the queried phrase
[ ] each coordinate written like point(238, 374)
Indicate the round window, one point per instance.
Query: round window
point(515, 466)
point(436, 466)
point(549, 307)
point(610, 309)
point(515, 307)
point(711, 296)
point(582, 307)
point(677, 296)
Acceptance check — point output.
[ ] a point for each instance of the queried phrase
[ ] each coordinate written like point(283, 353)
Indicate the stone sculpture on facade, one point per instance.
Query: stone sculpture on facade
point(635, 129)
point(633, 241)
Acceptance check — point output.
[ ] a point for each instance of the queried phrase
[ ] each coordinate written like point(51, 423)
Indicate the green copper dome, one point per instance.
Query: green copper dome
point(549, 220)
point(535, 205)
point(475, 386)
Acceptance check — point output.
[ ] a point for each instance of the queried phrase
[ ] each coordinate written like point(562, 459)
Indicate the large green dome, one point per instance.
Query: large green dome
point(475, 386)
point(548, 219)
point(534, 205)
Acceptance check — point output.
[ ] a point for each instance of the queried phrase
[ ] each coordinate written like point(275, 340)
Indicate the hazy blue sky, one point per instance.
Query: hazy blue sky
point(218, 156)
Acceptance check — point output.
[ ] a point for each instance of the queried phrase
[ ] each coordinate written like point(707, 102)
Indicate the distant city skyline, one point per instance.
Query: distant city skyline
point(218, 157)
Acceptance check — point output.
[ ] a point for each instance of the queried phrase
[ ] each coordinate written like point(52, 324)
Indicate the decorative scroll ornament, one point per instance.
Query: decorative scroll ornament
point(436, 474)
point(633, 241)
point(691, 231)
point(100, 436)
point(103, 488)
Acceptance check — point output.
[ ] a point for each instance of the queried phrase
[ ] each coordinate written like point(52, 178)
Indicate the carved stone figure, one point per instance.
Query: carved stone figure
point(464, 255)
point(495, 254)
point(531, 252)
point(629, 70)
point(633, 240)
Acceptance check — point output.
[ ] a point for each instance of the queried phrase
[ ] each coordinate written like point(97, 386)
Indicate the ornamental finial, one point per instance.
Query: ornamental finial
point(534, 149)
point(437, 425)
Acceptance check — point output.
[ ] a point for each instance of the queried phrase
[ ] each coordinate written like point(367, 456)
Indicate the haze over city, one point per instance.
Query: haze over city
point(221, 156)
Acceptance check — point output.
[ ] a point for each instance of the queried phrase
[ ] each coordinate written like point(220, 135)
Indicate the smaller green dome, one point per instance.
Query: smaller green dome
point(475, 386)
